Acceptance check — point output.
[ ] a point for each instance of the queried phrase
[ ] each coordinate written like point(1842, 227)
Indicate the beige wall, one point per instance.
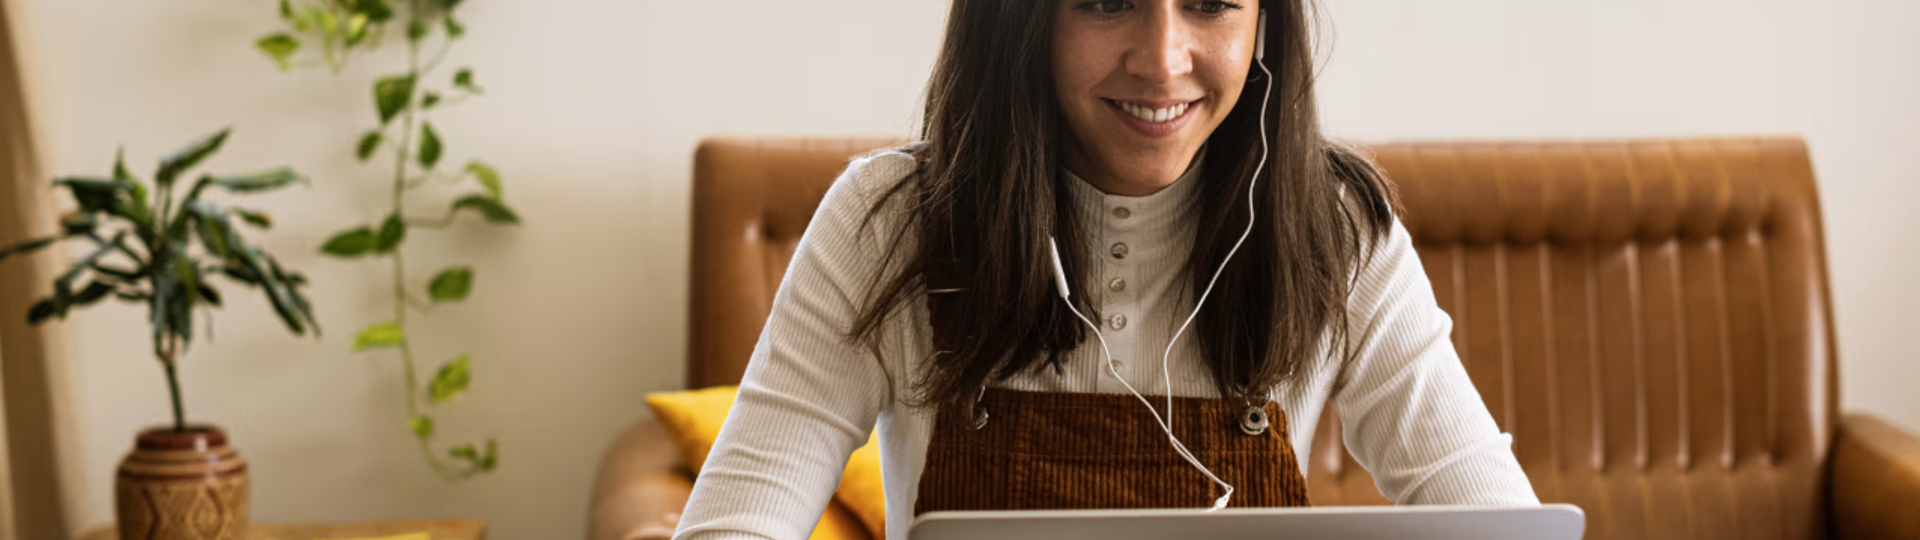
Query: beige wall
point(592, 111)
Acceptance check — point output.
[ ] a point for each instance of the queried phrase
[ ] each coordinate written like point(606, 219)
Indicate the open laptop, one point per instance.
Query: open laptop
point(1550, 522)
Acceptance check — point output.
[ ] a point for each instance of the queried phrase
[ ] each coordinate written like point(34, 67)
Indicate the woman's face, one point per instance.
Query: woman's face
point(1143, 83)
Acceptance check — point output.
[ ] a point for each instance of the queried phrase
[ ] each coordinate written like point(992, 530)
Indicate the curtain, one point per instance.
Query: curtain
point(29, 473)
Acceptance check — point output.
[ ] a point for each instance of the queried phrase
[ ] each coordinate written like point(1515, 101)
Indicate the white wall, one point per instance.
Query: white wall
point(592, 111)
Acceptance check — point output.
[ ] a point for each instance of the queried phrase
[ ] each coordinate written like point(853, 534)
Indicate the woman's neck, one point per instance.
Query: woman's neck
point(1136, 182)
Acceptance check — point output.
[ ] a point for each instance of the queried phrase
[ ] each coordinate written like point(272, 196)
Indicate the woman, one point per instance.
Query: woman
point(924, 296)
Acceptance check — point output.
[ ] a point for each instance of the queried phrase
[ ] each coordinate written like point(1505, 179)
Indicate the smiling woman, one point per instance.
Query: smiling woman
point(1142, 86)
point(1120, 132)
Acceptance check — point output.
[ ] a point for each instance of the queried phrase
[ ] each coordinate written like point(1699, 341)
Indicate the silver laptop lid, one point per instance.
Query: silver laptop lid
point(1550, 522)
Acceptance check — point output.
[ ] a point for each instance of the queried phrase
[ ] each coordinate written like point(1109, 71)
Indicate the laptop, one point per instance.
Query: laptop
point(1549, 522)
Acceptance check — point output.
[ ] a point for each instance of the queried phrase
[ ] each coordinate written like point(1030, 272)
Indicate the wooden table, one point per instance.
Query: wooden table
point(439, 529)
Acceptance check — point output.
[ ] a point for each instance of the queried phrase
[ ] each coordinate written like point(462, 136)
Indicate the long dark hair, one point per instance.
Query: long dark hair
point(988, 192)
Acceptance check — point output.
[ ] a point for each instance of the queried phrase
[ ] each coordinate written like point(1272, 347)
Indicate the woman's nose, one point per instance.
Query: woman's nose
point(1162, 50)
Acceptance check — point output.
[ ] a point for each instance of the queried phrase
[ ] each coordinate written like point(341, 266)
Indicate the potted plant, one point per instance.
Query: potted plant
point(147, 246)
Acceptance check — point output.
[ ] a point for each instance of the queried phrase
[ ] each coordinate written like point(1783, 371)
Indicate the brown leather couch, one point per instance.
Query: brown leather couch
point(1650, 320)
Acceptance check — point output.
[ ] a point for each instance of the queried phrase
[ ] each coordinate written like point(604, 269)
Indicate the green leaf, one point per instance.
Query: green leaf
point(208, 293)
point(286, 9)
point(490, 458)
point(93, 293)
point(491, 208)
point(262, 220)
point(376, 10)
point(301, 22)
point(279, 47)
point(64, 284)
point(454, 29)
point(328, 24)
point(480, 461)
point(429, 146)
point(256, 267)
point(356, 28)
point(26, 247)
point(353, 243)
point(369, 143)
point(392, 231)
point(43, 310)
point(391, 94)
point(422, 426)
point(94, 194)
point(377, 336)
point(429, 100)
point(122, 274)
point(239, 271)
point(256, 182)
point(212, 226)
point(120, 171)
point(79, 224)
point(488, 177)
point(450, 382)
point(451, 285)
point(186, 158)
point(463, 79)
point(416, 30)
point(291, 302)
point(135, 209)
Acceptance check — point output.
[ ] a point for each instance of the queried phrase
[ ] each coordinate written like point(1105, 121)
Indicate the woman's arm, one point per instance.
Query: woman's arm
point(1410, 413)
point(810, 394)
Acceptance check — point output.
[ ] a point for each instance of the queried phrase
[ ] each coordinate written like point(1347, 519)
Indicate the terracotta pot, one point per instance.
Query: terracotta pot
point(185, 485)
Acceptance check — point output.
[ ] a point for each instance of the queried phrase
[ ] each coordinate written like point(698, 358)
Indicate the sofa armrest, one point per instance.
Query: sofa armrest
point(1876, 481)
point(641, 487)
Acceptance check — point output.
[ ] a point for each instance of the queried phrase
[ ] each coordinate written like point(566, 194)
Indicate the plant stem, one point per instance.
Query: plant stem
point(399, 258)
point(173, 388)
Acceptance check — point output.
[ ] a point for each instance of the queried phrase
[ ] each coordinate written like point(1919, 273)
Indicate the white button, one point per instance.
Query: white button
point(1117, 285)
point(1118, 322)
point(1119, 251)
point(1122, 212)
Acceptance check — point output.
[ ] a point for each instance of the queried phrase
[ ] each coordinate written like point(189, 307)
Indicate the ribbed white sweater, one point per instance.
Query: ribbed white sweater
point(810, 395)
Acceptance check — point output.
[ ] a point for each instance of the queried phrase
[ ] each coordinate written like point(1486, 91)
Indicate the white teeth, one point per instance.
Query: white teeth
point(1154, 115)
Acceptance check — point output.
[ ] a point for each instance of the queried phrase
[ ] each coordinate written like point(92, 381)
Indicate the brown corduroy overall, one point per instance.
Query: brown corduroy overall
point(1069, 450)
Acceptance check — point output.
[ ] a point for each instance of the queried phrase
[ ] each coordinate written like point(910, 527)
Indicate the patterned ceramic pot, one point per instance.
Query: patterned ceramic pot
point(182, 485)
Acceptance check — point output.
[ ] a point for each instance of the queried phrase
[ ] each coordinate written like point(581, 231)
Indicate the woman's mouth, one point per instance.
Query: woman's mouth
point(1153, 120)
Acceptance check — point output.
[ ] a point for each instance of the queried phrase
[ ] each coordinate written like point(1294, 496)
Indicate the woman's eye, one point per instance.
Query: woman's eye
point(1105, 7)
point(1215, 7)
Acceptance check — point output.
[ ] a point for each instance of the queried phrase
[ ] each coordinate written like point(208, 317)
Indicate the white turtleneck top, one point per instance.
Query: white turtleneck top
point(810, 395)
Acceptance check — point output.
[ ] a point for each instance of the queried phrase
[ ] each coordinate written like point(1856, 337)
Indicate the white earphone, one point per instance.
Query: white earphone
point(1060, 275)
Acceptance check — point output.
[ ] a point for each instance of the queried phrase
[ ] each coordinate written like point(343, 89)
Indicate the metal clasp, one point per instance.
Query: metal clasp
point(979, 419)
point(1254, 420)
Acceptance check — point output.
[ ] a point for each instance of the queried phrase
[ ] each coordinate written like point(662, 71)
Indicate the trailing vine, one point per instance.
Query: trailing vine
point(404, 103)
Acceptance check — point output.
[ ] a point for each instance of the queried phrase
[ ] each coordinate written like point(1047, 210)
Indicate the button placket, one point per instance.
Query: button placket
point(1119, 300)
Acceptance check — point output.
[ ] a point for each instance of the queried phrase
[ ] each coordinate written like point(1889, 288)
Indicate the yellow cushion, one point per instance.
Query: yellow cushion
point(838, 524)
point(861, 489)
point(693, 418)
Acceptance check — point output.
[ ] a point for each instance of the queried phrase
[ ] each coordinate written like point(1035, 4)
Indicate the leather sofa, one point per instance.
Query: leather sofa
point(1650, 319)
